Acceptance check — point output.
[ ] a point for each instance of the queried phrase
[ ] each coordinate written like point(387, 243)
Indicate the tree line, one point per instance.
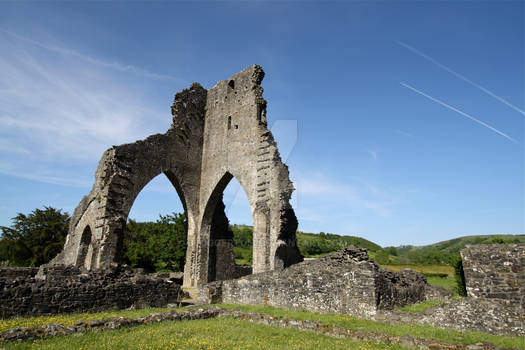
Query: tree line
point(37, 237)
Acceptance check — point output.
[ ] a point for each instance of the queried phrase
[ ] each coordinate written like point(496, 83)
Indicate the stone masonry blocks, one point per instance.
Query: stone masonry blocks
point(495, 271)
point(215, 135)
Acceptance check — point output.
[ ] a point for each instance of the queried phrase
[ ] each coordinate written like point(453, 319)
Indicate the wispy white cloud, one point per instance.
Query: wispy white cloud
point(89, 59)
point(372, 153)
point(357, 196)
point(12, 147)
point(40, 172)
point(460, 112)
point(310, 215)
point(462, 77)
point(57, 112)
point(404, 133)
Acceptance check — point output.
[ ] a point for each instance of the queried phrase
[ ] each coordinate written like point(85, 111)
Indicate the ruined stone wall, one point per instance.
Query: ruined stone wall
point(495, 271)
point(215, 135)
point(238, 144)
point(495, 316)
point(18, 272)
point(66, 290)
point(346, 282)
point(98, 221)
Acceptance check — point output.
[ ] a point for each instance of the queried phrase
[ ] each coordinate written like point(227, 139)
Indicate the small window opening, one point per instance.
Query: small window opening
point(231, 84)
point(261, 113)
point(229, 122)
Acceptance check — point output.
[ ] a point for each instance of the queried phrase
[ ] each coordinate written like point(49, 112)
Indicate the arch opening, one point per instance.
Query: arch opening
point(154, 234)
point(85, 249)
point(229, 254)
point(239, 213)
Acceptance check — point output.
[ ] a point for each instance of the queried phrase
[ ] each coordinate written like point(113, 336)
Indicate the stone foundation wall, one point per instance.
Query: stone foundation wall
point(18, 272)
point(347, 282)
point(493, 316)
point(62, 289)
point(495, 271)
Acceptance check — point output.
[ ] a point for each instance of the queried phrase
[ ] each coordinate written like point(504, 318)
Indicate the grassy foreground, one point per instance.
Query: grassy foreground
point(228, 333)
point(224, 333)
point(71, 319)
point(415, 330)
point(422, 306)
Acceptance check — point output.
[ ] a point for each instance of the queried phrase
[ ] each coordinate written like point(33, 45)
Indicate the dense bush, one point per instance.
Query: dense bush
point(34, 239)
point(243, 244)
point(156, 246)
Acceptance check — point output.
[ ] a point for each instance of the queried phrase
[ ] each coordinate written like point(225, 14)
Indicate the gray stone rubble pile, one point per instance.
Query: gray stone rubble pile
point(346, 281)
point(493, 316)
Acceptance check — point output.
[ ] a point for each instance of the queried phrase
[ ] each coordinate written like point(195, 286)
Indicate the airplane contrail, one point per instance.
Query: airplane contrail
point(462, 77)
point(458, 111)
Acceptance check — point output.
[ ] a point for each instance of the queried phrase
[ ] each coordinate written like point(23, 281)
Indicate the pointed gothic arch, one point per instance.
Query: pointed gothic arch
point(214, 135)
point(85, 249)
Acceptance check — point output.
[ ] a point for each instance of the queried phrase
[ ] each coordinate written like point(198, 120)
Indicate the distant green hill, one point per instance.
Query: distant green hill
point(444, 252)
point(313, 244)
point(318, 244)
point(310, 244)
point(456, 244)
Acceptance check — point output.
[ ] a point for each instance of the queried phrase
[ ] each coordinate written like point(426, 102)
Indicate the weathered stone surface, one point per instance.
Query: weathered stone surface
point(65, 289)
point(437, 293)
point(399, 288)
point(495, 316)
point(495, 271)
point(215, 135)
point(18, 272)
point(347, 282)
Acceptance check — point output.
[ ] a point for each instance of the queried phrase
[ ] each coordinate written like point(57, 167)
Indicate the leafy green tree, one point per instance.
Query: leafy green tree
point(392, 251)
point(34, 239)
point(498, 240)
point(242, 244)
point(156, 246)
point(382, 257)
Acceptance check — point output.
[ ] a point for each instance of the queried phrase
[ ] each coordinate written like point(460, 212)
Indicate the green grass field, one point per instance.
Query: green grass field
point(224, 333)
point(71, 319)
point(425, 269)
point(421, 331)
point(421, 307)
point(228, 333)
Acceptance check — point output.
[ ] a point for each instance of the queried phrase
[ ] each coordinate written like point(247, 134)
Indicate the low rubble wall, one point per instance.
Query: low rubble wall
point(347, 282)
point(61, 289)
point(495, 271)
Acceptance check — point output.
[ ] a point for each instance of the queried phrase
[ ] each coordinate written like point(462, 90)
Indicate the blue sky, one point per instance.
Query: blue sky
point(401, 122)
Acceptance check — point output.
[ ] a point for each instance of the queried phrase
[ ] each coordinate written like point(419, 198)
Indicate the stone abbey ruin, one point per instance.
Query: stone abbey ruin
point(217, 135)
